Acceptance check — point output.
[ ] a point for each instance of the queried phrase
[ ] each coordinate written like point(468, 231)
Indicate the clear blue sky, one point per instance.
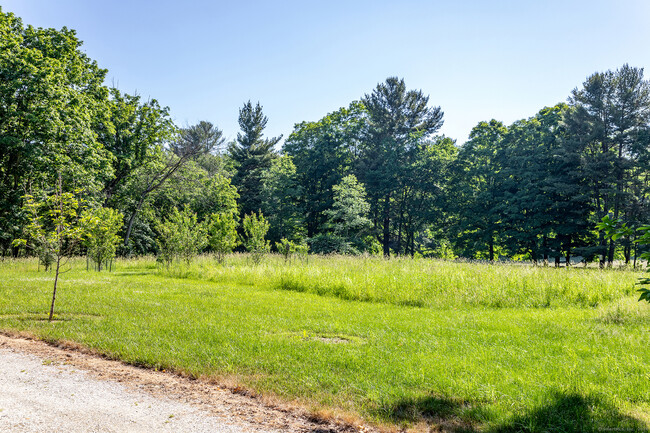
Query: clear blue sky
point(478, 60)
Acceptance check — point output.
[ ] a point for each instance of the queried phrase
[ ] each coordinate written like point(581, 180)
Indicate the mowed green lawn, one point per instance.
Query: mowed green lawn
point(400, 342)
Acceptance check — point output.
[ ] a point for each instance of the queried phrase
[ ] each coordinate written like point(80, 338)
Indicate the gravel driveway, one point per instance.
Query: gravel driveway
point(49, 389)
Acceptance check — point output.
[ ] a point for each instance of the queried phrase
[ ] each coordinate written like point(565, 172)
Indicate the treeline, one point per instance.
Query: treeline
point(373, 177)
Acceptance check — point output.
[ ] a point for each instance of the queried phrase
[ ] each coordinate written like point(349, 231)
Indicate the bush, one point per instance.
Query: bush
point(222, 232)
point(255, 229)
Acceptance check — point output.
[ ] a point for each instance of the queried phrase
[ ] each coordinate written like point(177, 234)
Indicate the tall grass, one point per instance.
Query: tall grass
point(497, 348)
point(421, 283)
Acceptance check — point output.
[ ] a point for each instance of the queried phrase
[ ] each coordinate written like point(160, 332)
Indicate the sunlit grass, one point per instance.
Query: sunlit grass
point(467, 346)
point(422, 283)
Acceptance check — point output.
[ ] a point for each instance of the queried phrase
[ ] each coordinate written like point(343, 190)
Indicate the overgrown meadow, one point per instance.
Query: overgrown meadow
point(399, 343)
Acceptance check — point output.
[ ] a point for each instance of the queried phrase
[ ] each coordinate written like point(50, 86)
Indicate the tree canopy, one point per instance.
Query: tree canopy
point(374, 172)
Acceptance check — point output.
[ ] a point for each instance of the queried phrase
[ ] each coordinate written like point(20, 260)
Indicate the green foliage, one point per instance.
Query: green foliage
point(609, 125)
point(181, 236)
point(255, 229)
point(51, 102)
point(615, 228)
point(222, 234)
point(100, 227)
point(330, 243)
point(477, 188)
point(286, 248)
point(208, 194)
point(289, 248)
point(324, 152)
point(199, 139)
point(348, 215)
point(400, 122)
point(645, 293)
point(54, 229)
point(135, 135)
point(281, 201)
point(252, 155)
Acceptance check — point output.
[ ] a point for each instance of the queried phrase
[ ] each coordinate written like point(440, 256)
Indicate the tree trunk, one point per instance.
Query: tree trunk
point(131, 220)
point(386, 235)
point(56, 280)
point(610, 254)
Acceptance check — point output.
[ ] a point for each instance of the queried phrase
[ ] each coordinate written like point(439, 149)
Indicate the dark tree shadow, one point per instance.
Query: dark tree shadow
point(573, 413)
point(565, 413)
point(446, 414)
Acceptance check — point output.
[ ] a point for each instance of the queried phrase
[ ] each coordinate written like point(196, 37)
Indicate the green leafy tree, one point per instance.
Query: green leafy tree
point(421, 207)
point(100, 227)
point(287, 248)
point(222, 234)
point(252, 155)
point(134, 135)
point(52, 100)
point(53, 229)
point(191, 185)
point(181, 236)
point(254, 239)
point(210, 194)
point(545, 209)
point(282, 200)
point(166, 165)
point(324, 152)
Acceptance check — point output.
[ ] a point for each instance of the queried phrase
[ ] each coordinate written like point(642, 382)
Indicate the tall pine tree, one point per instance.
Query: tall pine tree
point(252, 155)
point(399, 121)
point(609, 123)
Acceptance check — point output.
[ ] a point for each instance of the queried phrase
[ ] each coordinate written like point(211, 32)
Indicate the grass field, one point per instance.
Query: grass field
point(467, 346)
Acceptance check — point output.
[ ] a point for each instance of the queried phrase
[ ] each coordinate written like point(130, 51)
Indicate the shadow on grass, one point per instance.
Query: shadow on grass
point(447, 414)
point(565, 413)
point(569, 413)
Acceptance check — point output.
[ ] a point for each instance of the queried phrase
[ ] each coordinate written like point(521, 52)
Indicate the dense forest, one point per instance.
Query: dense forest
point(373, 177)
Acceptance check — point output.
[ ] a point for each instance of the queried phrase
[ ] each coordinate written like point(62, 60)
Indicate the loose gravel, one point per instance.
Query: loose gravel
point(51, 389)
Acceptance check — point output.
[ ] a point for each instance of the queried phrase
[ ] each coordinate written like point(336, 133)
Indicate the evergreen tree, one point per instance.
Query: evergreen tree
point(477, 187)
point(199, 139)
point(348, 215)
point(399, 120)
point(609, 125)
point(252, 155)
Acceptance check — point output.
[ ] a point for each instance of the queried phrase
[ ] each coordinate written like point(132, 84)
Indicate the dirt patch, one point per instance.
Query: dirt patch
point(231, 403)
